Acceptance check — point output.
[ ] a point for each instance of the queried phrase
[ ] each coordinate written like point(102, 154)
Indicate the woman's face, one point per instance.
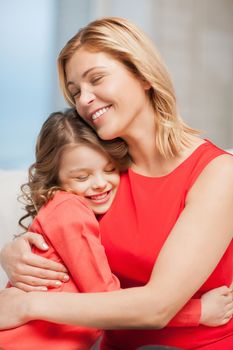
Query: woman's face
point(106, 94)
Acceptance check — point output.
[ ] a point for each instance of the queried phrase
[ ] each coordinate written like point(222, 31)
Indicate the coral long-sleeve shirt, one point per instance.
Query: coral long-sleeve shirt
point(72, 233)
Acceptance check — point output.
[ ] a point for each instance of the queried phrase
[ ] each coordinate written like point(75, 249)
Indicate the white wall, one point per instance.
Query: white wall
point(194, 37)
point(27, 70)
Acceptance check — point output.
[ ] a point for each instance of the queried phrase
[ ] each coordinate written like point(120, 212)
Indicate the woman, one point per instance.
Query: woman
point(173, 205)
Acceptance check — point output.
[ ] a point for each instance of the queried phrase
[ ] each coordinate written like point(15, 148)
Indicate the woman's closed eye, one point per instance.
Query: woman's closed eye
point(75, 94)
point(96, 79)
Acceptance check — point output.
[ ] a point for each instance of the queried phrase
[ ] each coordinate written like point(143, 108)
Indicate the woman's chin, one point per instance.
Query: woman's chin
point(106, 135)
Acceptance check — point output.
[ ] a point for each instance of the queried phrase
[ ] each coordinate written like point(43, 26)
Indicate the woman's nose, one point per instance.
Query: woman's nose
point(86, 97)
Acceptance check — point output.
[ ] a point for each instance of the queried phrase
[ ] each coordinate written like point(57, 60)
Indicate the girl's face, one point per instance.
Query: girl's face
point(106, 94)
point(91, 175)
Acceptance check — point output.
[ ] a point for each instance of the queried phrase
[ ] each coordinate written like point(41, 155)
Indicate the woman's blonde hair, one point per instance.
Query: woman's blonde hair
point(59, 131)
point(126, 43)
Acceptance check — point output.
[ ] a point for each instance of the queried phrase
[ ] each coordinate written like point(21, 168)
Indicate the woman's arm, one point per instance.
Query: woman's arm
point(206, 218)
point(63, 228)
point(92, 273)
point(28, 271)
point(76, 238)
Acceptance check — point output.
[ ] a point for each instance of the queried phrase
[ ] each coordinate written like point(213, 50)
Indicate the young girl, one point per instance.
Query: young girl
point(73, 178)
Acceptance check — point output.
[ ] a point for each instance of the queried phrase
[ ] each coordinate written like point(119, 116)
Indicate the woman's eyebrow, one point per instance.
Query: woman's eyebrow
point(85, 74)
point(91, 69)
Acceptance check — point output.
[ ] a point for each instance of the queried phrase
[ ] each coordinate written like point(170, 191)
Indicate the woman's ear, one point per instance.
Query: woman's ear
point(146, 85)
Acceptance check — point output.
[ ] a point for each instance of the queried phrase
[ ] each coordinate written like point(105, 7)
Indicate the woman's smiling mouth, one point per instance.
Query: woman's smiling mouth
point(99, 113)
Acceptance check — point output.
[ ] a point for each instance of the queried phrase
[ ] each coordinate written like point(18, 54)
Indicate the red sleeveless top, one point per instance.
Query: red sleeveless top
point(133, 232)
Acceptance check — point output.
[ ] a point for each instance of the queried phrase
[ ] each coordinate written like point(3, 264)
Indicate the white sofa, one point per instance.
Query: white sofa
point(10, 208)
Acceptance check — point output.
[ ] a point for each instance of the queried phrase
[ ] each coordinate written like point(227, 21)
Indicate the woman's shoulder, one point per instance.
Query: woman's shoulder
point(216, 176)
point(218, 160)
point(209, 161)
point(220, 167)
point(201, 155)
point(201, 149)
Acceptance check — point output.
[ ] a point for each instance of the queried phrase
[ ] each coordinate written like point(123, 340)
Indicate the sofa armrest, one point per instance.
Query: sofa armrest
point(10, 208)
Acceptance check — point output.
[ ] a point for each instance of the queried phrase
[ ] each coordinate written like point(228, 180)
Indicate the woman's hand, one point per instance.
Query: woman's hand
point(217, 307)
point(28, 271)
point(13, 308)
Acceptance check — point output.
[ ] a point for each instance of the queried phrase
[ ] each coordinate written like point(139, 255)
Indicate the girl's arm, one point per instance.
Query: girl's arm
point(213, 309)
point(73, 232)
point(207, 218)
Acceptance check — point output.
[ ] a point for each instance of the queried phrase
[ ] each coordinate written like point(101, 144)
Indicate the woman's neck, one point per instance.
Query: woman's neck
point(147, 161)
point(144, 154)
point(141, 140)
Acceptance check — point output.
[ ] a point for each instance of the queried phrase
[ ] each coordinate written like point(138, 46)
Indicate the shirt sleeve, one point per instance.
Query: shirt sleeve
point(188, 316)
point(73, 231)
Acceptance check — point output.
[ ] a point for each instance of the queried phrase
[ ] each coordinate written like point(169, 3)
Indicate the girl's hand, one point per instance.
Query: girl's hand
point(217, 307)
point(28, 271)
point(13, 308)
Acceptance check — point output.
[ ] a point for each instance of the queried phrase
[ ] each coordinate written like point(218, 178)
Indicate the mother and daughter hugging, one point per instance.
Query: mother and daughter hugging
point(130, 207)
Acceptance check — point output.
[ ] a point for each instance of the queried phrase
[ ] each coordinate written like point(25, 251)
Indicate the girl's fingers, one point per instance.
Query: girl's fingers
point(228, 315)
point(228, 299)
point(224, 290)
point(225, 321)
point(229, 308)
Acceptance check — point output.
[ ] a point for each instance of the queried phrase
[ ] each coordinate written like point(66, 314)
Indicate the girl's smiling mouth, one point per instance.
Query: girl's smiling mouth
point(100, 198)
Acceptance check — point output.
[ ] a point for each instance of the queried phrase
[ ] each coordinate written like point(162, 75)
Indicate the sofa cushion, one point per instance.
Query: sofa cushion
point(10, 208)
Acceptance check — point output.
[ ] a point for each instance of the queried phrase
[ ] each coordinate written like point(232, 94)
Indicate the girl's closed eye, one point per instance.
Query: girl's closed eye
point(110, 169)
point(82, 177)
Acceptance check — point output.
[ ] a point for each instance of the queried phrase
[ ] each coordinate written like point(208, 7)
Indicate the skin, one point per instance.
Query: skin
point(91, 175)
point(207, 216)
point(96, 82)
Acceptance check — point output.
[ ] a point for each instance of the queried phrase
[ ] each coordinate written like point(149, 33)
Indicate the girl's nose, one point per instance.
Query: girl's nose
point(99, 182)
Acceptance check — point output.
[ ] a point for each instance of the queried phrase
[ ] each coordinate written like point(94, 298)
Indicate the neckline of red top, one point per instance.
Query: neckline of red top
point(196, 151)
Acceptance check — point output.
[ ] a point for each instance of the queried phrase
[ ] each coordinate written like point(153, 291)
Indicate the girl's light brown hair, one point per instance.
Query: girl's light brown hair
point(126, 43)
point(59, 131)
